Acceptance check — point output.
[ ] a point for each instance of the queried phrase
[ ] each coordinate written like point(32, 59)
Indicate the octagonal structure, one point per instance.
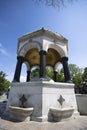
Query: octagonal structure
point(42, 48)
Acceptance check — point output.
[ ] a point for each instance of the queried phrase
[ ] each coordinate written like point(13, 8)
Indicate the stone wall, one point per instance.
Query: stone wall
point(82, 103)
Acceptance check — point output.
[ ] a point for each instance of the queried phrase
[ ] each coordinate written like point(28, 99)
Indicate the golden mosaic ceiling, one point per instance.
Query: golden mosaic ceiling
point(52, 57)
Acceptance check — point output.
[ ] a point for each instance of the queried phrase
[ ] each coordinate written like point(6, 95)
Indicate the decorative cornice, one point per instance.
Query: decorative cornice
point(42, 32)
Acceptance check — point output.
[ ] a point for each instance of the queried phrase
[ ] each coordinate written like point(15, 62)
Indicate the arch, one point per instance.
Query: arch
point(27, 65)
point(26, 47)
point(52, 57)
point(32, 57)
point(33, 69)
point(57, 65)
point(23, 73)
point(59, 49)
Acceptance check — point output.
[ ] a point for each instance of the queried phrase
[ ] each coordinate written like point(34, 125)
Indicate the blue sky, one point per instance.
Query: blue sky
point(18, 17)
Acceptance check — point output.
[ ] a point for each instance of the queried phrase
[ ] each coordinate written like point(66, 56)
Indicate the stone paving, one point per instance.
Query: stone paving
point(75, 124)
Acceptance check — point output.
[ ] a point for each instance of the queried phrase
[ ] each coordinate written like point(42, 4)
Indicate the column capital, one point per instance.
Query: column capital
point(42, 52)
point(64, 58)
point(66, 69)
point(20, 58)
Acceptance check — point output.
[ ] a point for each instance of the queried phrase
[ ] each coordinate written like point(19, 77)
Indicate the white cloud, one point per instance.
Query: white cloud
point(3, 50)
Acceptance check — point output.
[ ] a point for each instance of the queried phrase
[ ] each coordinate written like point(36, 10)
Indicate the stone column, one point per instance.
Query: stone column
point(55, 76)
point(20, 60)
point(42, 71)
point(66, 69)
point(28, 75)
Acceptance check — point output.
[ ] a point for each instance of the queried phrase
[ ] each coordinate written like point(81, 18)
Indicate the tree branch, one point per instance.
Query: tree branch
point(55, 3)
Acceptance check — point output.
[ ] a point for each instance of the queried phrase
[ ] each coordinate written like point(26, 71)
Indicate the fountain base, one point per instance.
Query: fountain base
point(42, 95)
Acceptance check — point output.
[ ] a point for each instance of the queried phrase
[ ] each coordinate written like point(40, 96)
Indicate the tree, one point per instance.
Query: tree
point(76, 74)
point(49, 73)
point(60, 77)
point(84, 77)
point(55, 3)
point(4, 83)
point(34, 73)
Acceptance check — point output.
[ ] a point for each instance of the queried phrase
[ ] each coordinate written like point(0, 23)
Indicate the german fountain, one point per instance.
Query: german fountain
point(42, 98)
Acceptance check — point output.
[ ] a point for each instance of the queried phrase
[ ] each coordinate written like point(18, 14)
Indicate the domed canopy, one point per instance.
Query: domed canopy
point(42, 48)
point(33, 57)
point(31, 44)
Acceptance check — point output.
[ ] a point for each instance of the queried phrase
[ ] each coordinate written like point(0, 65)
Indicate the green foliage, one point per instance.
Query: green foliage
point(34, 73)
point(85, 74)
point(4, 83)
point(60, 77)
point(49, 73)
point(76, 74)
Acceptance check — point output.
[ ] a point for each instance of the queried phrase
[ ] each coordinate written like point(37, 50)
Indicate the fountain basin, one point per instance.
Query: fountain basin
point(20, 114)
point(61, 114)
